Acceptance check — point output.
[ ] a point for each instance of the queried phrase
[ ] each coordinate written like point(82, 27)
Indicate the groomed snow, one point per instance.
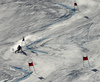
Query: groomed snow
point(56, 39)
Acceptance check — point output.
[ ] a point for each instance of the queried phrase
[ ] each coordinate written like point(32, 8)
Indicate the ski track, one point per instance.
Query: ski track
point(25, 71)
point(28, 46)
point(63, 18)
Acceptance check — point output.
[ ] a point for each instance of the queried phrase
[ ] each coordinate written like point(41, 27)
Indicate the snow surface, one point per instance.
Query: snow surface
point(56, 39)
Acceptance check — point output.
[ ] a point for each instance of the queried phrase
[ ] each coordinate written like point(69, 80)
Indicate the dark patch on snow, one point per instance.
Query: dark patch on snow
point(41, 78)
point(95, 70)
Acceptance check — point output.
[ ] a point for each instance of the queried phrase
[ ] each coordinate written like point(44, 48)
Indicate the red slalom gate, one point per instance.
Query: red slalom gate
point(75, 4)
point(31, 66)
point(86, 59)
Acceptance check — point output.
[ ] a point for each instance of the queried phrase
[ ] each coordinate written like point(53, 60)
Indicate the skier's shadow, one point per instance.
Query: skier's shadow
point(23, 53)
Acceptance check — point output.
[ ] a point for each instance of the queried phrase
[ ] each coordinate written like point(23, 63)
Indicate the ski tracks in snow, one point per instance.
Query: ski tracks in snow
point(65, 17)
point(28, 46)
point(27, 73)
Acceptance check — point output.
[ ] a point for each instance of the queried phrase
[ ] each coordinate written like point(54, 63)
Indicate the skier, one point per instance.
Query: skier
point(19, 48)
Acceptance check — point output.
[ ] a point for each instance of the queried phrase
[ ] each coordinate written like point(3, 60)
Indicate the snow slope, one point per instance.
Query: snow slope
point(56, 39)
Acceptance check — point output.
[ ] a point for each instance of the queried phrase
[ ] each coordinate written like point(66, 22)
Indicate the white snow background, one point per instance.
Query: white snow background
point(56, 39)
